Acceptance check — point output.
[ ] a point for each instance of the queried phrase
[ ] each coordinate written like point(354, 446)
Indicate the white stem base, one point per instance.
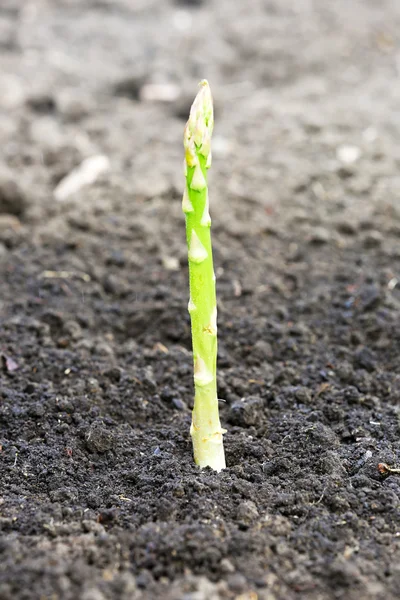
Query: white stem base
point(208, 449)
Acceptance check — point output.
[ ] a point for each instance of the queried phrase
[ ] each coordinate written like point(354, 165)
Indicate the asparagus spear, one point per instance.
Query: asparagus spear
point(206, 428)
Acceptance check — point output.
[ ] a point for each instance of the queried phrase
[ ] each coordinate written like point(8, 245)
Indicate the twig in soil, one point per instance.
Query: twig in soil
point(206, 428)
point(322, 495)
point(384, 469)
point(64, 275)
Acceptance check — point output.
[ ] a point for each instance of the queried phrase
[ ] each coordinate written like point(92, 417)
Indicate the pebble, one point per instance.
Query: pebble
point(373, 239)
point(41, 102)
point(9, 222)
point(226, 566)
point(322, 435)
point(262, 350)
point(12, 199)
point(130, 86)
point(101, 348)
point(159, 92)
point(73, 330)
point(85, 174)
point(74, 106)
point(3, 252)
point(170, 263)
point(246, 412)
point(114, 374)
point(346, 227)
point(179, 404)
point(237, 583)
point(93, 594)
point(115, 285)
point(99, 439)
point(36, 410)
point(303, 395)
point(351, 394)
point(247, 512)
point(364, 358)
point(348, 154)
point(125, 585)
point(371, 298)
point(320, 235)
point(144, 579)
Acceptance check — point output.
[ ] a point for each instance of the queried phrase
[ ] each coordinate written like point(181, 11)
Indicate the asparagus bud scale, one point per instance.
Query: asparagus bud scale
point(206, 428)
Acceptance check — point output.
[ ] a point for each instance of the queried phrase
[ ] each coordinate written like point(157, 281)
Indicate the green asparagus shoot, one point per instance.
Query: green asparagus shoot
point(206, 428)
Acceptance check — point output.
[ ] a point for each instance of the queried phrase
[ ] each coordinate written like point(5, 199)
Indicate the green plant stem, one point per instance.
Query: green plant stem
point(206, 428)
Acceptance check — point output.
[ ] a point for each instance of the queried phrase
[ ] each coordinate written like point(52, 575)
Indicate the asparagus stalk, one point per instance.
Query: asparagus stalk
point(206, 428)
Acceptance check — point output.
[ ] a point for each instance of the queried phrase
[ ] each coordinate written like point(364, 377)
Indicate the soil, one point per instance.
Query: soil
point(99, 496)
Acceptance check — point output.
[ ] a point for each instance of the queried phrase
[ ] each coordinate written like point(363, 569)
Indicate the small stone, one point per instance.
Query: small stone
point(322, 435)
point(237, 583)
point(247, 512)
point(3, 252)
point(41, 102)
point(179, 404)
point(115, 285)
point(125, 585)
point(99, 439)
point(93, 594)
point(346, 227)
point(113, 374)
point(371, 298)
point(226, 566)
point(373, 239)
point(9, 223)
point(12, 198)
point(54, 319)
point(73, 330)
point(85, 174)
point(262, 350)
point(351, 394)
point(344, 371)
point(31, 387)
point(92, 526)
point(144, 579)
point(170, 263)
point(159, 92)
point(246, 412)
point(73, 106)
point(130, 86)
point(101, 348)
point(348, 154)
point(9, 228)
point(365, 358)
point(92, 385)
point(36, 410)
point(303, 395)
point(320, 236)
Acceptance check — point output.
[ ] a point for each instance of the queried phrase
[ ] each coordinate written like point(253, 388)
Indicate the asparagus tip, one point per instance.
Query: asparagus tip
point(200, 125)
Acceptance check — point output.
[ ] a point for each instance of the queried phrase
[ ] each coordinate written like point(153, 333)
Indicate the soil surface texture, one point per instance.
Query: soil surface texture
point(99, 496)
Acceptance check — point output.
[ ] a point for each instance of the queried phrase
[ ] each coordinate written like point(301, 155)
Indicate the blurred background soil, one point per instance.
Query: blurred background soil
point(99, 498)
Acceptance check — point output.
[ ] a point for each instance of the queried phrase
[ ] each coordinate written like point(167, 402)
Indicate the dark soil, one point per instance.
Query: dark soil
point(99, 496)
